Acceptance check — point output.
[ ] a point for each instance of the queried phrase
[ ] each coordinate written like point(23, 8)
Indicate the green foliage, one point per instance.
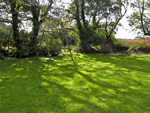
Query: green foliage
point(117, 43)
point(24, 50)
point(107, 48)
point(5, 35)
point(76, 48)
point(87, 29)
point(138, 45)
point(134, 48)
point(93, 41)
point(76, 45)
point(98, 48)
point(97, 39)
point(25, 43)
point(25, 36)
point(55, 45)
point(139, 19)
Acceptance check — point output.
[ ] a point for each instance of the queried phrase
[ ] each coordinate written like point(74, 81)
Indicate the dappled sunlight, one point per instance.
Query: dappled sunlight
point(96, 83)
point(45, 83)
point(25, 76)
point(18, 69)
point(18, 76)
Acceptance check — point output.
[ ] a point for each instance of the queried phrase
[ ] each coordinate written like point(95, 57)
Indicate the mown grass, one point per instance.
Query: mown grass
point(98, 84)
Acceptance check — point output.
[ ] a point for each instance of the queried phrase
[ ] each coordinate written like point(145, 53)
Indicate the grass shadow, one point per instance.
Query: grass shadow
point(97, 84)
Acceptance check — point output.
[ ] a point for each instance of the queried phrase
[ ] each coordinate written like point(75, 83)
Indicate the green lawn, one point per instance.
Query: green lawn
point(98, 84)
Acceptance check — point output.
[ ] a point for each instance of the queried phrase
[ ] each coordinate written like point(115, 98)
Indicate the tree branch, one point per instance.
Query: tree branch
point(82, 13)
point(45, 14)
point(141, 16)
point(70, 29)
point(5, 20)
point(118, 20)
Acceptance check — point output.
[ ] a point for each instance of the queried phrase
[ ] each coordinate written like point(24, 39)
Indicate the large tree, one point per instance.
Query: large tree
point(12, 7)
point(39, 11)
point(35, 11)
point(84, 9)
point(139, 20)
point(91, 15)
point(113, 12)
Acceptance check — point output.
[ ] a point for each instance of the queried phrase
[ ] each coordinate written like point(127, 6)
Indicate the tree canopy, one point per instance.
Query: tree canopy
point(94, 21)
point(140, 18)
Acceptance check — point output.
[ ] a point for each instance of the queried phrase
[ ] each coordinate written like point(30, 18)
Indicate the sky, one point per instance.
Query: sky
point(125, 31)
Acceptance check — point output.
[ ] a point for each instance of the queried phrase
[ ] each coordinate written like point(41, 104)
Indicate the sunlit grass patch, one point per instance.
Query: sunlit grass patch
point(95, 83)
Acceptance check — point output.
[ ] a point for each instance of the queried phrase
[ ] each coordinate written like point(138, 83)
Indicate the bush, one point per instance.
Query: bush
point(85, 47)
point(107, 48)
point(138, 45)
point(117, 43)
point(97, 48)
point(42, 52)
point(92, 42)
point(55, 46)
point(76, 48)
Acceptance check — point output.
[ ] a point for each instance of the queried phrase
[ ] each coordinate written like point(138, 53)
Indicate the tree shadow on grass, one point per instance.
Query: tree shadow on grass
point(131, 74)
point(127, 92)
point(128, 62)
point(136, 66)
point(32, 87)
point(61, 86)
point(124, 88)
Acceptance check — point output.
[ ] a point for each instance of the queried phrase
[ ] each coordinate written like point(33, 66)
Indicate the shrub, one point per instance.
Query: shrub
point(138, 45)
point(97, 48)
point(76, 48)
point(55, 46)
point(106, 48)
point(117, 43)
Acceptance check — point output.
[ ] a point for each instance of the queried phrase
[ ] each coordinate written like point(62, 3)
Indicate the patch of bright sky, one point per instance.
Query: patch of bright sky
point(125, 30)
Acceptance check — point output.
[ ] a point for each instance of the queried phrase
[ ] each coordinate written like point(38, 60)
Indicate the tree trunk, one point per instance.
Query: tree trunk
point(85, 46)
point(36, 26)
point(15, 27)
point(35, 31)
